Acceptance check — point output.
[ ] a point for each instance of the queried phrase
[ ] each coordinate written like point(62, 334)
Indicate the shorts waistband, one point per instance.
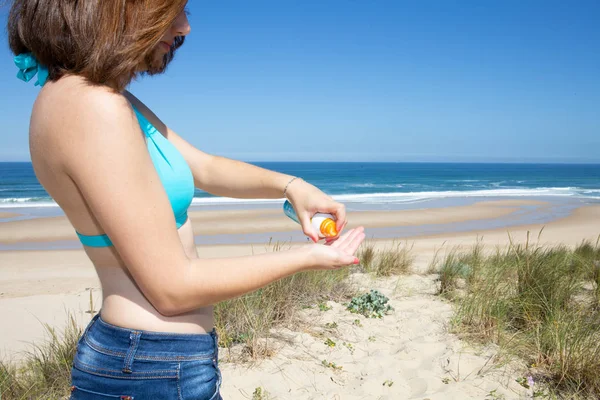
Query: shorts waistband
point(118, 341)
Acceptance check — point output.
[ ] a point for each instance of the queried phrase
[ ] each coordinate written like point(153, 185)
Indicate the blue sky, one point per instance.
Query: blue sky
point(371, 80)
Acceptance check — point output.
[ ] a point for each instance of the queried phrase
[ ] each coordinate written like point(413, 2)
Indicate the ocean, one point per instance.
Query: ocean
point(375, 182)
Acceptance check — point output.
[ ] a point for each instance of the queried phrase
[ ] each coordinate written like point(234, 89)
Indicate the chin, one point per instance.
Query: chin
point(157, 61)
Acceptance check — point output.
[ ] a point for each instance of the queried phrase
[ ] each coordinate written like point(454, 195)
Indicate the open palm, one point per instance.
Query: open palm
point(339, 252)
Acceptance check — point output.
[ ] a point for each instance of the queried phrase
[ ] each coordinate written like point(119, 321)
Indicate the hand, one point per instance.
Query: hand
point(309, 200)
point(338, 253)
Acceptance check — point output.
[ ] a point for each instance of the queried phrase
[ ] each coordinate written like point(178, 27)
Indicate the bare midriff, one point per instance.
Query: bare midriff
point(124, 304)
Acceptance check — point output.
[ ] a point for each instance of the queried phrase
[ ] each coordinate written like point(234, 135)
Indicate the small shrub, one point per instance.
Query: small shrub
point(261, 394)
point(350, 347)
point(371, 305)
point(331, 325)
point(331, 365)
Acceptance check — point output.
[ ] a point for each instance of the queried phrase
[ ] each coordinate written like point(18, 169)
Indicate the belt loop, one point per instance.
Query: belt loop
point(134, 341)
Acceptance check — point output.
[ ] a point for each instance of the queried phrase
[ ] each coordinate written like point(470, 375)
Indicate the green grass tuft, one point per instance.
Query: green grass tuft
point(539, 304)
point(45, 371)
point(246, 319)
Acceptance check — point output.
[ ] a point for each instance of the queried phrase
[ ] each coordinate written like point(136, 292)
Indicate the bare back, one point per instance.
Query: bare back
point(58, 115)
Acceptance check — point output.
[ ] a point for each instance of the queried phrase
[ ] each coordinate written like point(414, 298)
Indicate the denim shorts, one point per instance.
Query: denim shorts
point(127, 364)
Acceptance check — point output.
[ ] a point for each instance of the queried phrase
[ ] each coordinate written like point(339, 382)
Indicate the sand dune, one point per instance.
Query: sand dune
point(408, 354)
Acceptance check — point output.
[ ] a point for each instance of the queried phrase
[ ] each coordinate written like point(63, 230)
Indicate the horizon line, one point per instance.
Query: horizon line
point(391, 162)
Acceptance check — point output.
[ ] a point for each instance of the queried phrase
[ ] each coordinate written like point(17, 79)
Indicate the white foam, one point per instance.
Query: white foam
point(420, 196)
point(383, 197)
point(379, 185)
point(17, 202)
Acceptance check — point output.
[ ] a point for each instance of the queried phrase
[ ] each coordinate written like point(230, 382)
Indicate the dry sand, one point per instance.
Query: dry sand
point(258, 221)
point(410, 347)
point(406, 355)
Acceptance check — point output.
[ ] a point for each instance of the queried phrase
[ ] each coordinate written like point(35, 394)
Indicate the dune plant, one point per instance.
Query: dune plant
point(539, 304)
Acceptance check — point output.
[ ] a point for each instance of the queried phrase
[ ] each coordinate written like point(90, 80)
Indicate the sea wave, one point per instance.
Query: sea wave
point(383, 197)
point(13, 202)
point(420, 196)
point(376, 185)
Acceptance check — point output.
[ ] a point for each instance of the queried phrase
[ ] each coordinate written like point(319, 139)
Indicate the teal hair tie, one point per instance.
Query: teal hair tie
point(28, 67)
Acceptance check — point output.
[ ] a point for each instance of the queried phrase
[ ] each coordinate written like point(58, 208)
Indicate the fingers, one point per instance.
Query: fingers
point(347, 259)
point(339, 242)
point(352, 244)
point(307, 227)
point(338, 210)
point(348, 243)
point(340, 216)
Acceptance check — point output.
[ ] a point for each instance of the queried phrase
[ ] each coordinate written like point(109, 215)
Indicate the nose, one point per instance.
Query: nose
point(181, 25)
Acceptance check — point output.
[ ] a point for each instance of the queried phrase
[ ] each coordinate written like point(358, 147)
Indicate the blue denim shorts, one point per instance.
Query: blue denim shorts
point(118, 363)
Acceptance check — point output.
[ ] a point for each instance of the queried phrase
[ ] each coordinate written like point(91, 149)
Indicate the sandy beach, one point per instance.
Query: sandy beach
point(264, 221)
point(8, 215)
point(411, 348)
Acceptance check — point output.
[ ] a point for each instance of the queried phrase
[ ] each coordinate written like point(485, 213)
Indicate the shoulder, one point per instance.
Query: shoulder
point(71, 99)
point(71, 113)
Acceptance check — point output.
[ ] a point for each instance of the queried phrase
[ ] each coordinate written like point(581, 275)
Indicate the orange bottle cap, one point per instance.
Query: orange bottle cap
point(328, 228)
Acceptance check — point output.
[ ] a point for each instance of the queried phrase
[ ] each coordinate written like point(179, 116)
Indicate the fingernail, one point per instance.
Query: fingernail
point(356, 260)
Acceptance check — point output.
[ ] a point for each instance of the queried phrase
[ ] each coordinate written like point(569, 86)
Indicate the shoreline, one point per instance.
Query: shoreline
point(261, 225)
point(5, 215)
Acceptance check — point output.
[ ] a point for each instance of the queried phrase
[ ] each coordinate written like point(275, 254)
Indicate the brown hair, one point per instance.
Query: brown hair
point(104, 41)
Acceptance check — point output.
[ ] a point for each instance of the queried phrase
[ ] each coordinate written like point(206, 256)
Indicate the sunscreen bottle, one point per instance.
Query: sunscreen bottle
point(323, 223)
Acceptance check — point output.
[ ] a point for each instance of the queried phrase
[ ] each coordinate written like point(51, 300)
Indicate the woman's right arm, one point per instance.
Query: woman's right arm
point(106, 156)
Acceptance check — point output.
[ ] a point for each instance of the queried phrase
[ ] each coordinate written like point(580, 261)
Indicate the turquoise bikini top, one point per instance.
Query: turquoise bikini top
point(173, 171)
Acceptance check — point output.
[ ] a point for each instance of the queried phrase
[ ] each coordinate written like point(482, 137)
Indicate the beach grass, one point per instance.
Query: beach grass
point(366, 255)
point(540, 304)
point(45, 371)
point(248, 320)
point(396, 259)
point(457, 268)
point(244, 322)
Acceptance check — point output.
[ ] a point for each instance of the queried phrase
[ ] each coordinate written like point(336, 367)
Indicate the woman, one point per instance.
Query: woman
point(125, 181)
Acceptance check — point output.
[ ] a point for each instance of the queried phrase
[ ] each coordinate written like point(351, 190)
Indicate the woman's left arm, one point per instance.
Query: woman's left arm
point(230, 178)
point(218, 175)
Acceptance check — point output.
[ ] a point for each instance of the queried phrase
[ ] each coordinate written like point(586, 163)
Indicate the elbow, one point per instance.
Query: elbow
point(169, 304)
point(167, 309)
point(167, 293)
point(172, 296)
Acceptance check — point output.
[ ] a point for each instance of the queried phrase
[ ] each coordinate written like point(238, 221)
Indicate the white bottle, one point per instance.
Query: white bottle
point(323, 223)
